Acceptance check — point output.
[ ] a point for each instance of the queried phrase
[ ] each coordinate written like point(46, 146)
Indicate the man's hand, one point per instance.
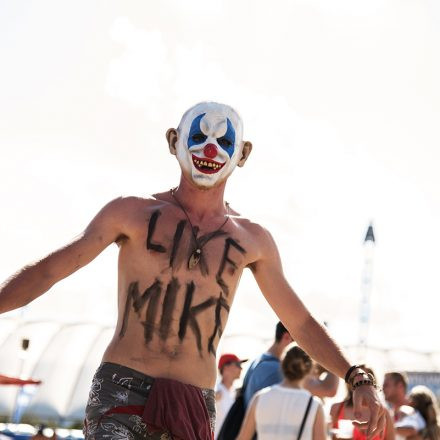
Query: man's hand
point(366, 396)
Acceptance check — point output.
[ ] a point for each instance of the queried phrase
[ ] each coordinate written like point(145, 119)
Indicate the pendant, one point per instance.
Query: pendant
point(194, 258)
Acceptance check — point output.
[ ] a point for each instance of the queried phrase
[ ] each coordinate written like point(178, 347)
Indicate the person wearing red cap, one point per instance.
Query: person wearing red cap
point(229, 366)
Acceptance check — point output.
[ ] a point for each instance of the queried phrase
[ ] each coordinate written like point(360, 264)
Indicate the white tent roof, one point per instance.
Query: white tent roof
point(63, 356)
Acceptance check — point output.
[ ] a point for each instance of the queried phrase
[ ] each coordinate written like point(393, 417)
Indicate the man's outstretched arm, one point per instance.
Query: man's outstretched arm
point(36, 278)
point(302, 326)
point(306, 331)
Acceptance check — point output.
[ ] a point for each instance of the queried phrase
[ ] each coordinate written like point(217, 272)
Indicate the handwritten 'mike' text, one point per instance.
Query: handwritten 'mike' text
point(150, 297)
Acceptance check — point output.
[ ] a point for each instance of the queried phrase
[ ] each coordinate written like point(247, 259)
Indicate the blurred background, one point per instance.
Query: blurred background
point(341, 101)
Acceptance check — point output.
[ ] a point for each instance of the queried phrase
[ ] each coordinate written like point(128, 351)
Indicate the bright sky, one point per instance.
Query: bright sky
point(341, 100)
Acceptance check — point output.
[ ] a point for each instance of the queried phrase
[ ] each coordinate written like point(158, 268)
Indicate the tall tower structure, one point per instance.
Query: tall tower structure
point(366, 288)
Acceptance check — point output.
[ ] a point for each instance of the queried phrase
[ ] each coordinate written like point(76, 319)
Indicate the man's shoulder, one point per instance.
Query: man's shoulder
point(253, 229)
point(264, 363)
point(246, 222)
point(131, 204)
point(126, 214)
point(268, 357)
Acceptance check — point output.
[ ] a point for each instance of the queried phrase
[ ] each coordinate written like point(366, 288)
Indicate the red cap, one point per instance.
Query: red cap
point(229, 358)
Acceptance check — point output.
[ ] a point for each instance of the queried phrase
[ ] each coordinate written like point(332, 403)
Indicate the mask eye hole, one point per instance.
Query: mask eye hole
point(224, 142)
point(198, 138)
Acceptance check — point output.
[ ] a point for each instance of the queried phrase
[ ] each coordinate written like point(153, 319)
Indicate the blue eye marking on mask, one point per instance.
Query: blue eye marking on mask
point(227, 141)
point(196, 135)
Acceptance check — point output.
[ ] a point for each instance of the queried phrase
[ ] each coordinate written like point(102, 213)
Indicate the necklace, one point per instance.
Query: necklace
point(196, 254)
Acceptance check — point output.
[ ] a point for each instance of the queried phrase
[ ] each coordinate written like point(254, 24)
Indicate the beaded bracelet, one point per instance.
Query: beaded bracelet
point(367, 379)
point(361, 382)
point(353, 379)
point(350, 370)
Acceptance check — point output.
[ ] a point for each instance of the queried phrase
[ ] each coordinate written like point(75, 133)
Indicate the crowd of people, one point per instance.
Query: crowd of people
point(283, 396)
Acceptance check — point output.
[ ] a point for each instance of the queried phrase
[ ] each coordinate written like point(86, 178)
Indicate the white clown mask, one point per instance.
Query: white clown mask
point(209, 143)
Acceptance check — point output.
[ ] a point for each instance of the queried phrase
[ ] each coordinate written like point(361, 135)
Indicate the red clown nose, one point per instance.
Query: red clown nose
point(210, 151)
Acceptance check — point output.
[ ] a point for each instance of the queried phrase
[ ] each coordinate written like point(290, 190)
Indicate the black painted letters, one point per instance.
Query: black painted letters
point(226, 259)
point(151, 227)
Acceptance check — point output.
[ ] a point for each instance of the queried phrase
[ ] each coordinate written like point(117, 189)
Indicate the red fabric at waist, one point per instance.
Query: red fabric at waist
point(175, 407)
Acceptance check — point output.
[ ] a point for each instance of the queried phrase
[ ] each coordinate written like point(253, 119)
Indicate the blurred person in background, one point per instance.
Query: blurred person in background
point(229, 366)
point(407, 420)
point(343, 411)
point(320, 382)
point(394, 387)
point(423, 400)
point(286, 410)
point(266, 370)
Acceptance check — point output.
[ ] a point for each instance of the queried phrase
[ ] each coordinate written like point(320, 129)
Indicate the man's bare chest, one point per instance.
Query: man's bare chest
point(170, 244)
point(176, 293)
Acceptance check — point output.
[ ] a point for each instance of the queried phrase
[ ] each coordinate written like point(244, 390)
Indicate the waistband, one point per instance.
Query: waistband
point(131, 378)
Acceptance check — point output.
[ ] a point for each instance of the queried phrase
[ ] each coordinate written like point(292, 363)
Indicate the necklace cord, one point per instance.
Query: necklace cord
point(191, 225)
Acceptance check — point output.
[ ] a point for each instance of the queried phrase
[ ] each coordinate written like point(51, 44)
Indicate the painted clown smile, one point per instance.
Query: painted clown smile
point(207, 166)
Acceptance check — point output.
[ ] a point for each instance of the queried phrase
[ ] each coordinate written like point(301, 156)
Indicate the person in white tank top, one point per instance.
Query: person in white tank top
point(277, 412)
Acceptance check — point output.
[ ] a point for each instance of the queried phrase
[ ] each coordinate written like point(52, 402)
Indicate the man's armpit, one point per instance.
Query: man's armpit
point(121, 239)
point(253, 266)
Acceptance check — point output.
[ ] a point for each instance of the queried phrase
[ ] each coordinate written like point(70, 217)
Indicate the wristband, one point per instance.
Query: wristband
point(366, 379)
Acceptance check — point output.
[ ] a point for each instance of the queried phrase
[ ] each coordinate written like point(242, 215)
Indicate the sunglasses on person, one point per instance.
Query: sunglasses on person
point(238, 364)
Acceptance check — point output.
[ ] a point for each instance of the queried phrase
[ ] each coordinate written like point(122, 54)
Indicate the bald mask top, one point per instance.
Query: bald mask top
point(209, 142)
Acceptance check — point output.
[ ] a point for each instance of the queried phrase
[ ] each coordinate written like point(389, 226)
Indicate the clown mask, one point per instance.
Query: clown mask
point(209, 143)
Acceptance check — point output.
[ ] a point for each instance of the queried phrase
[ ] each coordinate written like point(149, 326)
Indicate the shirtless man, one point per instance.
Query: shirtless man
point(181, 255)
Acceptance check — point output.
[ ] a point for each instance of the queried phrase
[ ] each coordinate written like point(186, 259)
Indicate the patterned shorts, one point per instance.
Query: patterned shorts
point(118, 386)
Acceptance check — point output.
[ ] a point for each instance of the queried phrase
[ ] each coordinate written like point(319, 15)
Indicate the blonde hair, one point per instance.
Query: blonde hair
point(425, 402)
